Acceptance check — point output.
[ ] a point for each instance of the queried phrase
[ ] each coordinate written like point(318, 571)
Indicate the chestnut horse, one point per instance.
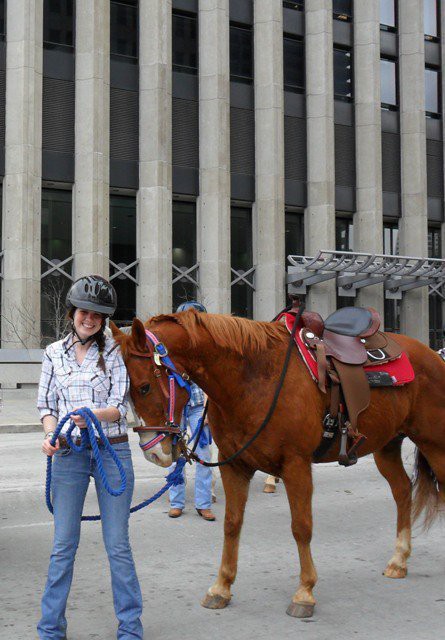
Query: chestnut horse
point(237, 363)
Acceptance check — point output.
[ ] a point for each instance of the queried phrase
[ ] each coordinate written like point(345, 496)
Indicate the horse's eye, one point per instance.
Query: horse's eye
point(144, 389)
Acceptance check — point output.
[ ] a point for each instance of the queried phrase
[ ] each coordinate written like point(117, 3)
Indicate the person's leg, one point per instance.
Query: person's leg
point(70, 478)
point(203, 475)
point(115, 513)
point(176, 493)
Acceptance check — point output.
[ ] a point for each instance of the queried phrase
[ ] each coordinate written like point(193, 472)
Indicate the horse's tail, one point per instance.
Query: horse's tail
point(428, 495)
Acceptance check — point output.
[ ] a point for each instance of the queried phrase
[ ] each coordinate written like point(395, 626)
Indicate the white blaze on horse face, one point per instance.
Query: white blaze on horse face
point(156, 454)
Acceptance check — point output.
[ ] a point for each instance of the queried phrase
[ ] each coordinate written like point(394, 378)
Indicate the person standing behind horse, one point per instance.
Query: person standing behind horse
point(86, 369)
point(203, 475)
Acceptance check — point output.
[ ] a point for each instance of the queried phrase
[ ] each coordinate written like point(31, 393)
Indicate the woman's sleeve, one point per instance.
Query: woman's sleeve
point(47, 395)
point(120, 385)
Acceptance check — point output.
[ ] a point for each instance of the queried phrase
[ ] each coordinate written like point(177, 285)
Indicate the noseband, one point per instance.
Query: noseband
point(161, 362)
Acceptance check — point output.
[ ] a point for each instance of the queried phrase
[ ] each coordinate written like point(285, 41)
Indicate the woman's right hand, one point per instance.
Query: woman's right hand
point(47, 449)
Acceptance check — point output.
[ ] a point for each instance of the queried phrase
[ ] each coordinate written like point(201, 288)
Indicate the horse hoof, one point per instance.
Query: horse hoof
point(269, 488)
point(214, 601)
point(300, 610)
point(392, 571)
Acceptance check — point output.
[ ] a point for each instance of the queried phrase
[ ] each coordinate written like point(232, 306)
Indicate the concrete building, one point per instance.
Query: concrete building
point(184, 148)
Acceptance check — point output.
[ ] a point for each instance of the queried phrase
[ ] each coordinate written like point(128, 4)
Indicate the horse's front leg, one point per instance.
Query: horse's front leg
point(297, 478)
point(236, 488)
point(389, 463)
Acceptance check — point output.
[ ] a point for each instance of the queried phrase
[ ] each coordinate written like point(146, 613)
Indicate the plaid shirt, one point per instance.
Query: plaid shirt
point(65, 385)
point(196, 395)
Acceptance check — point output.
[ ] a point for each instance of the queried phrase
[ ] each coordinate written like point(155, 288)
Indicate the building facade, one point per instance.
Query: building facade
point(184, 148)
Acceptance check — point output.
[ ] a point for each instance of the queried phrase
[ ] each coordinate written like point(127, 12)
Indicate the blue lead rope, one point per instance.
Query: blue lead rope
point(88, 438)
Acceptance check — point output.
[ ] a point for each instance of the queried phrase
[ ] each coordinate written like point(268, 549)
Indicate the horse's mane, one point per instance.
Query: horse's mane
point(237, 334)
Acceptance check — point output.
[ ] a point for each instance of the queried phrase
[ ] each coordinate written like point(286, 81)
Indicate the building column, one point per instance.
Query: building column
point(414, 220)
point(92, 139)
point(319, 219)
point(213, 206)
point(368, 219)
point(154, 200)
point(442, 66)
point(23, 175)
point(269, 227)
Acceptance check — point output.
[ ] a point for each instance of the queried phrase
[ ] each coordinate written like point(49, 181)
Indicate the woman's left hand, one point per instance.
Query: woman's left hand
point(79, 421)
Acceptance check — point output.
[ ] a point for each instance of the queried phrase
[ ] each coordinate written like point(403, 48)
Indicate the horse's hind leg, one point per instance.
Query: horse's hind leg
point(389, 463)
point(297, 478)
point(236, 489)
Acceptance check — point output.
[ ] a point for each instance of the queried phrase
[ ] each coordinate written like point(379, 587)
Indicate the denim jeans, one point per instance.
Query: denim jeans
point(70, 479)
point(203, 475)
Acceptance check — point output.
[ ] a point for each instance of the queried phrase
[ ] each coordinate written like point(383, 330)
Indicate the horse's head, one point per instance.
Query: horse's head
point(157, 399)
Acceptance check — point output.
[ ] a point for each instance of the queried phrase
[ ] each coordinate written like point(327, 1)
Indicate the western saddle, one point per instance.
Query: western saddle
point(342, 345)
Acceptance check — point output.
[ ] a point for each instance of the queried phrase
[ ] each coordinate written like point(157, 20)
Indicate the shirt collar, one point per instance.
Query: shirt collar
point(70, 353)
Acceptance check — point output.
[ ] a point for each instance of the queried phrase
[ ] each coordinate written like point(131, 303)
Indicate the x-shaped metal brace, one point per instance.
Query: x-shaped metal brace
point(242, 277)
point(187, 274)
point(57, 267)
point(124, 270)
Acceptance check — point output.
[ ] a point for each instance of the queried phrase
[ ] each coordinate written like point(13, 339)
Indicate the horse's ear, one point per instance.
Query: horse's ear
point(114, 330)
point(138, 335)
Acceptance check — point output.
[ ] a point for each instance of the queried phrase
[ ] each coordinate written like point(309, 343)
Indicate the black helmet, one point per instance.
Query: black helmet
point(92, 293)
point(191, 304)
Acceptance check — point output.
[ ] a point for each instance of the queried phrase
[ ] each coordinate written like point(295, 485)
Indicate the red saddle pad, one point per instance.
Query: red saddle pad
point(400, 370)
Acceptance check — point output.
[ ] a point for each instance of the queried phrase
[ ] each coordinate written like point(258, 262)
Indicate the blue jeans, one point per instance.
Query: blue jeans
point(70, 480)
point(203, 475)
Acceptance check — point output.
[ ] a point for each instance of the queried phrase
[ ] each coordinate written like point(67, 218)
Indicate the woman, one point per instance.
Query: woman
point(86, 369)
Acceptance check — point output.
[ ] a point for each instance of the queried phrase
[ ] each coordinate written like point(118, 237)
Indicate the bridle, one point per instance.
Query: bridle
point(162, 363)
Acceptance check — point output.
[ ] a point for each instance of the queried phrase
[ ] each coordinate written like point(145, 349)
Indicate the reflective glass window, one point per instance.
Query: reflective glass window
point(124, 28)
point(430, 17)
point(123, 254)
point(388, 13)
point(56, 247)
point(432, 92)
point(2, 18)
point(185, 43)
point(241, 54)
point(294, 4)
point(343, 74)
point(293, 63)
point(294, 234)
point(388, 82)
point(392, 307)
point(342, 9)
point(241, 260)
point(184, 252)
point(344, 234)
point(434, 299)
point(58, 22)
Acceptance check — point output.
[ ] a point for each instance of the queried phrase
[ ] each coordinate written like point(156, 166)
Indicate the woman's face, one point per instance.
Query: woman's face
point(87, 323)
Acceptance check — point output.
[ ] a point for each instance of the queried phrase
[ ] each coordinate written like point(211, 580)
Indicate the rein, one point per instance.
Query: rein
point(190, 453)
point(88, 438)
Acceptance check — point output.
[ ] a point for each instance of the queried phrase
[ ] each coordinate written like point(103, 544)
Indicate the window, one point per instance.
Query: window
point(294, 234)
point(392, 307)
point(434, 299)
point(184, 252)
point(293, 64)
point(124, 29)
point(343, 74)
point(388, 84)
point(123, 254)
point(342, 9)
point(432, 92)
point(430, 18)
point(294, 4)
point(185, 43)
point(388, 14)
point(241, 54)
point(56, 248)
point(344, 234)
point(2, 19)
point(241, 261)
point(58, 23)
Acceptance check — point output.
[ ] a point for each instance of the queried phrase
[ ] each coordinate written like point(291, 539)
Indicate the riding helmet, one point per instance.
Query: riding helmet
point(191, 304)
point(92, 293)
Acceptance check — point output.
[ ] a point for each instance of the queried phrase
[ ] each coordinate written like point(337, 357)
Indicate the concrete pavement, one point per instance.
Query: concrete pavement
point(177, 560)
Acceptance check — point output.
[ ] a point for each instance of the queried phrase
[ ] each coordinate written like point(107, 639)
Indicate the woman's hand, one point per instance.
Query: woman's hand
point(47, 449)
point(79, 421)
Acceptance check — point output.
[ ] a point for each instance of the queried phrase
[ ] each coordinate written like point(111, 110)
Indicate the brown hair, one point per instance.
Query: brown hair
point(99, 338)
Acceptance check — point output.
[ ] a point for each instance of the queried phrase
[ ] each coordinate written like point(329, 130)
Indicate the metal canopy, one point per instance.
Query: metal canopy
point(354, 271)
